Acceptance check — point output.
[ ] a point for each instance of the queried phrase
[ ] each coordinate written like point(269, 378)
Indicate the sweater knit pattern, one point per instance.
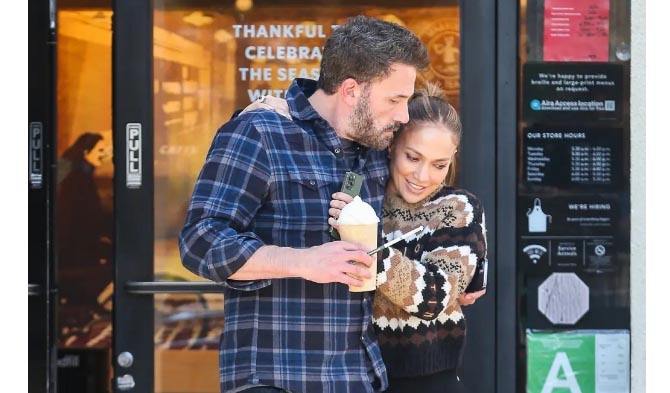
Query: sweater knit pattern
point(416, 314)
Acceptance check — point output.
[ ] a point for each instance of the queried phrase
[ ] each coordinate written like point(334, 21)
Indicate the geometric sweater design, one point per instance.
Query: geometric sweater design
point(419, 323)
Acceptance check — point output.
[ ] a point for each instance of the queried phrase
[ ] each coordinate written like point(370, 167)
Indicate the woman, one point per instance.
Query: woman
point(83, 242)
point(422, 281)
point(417, 313)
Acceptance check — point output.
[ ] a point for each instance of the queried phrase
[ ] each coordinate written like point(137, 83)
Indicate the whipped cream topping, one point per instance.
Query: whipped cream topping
point(357, 212)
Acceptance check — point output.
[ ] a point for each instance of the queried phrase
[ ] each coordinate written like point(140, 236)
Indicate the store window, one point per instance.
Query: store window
point(573, 196)
point(210, 58)
point(84, 199)
point(209, 61)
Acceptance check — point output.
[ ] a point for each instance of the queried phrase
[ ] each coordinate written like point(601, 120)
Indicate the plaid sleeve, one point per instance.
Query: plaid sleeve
point(216, 241)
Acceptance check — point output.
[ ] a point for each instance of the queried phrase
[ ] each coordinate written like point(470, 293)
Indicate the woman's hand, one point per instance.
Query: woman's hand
point(339, 200)
point(467, 299)
point(272, 103)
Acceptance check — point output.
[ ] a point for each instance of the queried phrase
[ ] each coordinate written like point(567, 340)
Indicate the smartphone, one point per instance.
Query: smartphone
point(478, 282)
point(351, 185)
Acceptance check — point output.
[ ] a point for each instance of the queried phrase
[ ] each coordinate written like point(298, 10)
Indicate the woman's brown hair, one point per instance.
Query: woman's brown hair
point(429, 105)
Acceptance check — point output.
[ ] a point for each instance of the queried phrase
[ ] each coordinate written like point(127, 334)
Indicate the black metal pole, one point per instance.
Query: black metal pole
point(132, 111)
point(507, 345)
point(42, 292)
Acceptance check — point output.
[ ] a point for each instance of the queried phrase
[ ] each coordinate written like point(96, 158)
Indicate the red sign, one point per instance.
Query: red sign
point(576, 30)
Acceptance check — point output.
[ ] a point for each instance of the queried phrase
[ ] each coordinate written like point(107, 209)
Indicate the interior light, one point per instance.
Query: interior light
point(198, 19)
point(244, 5)
point(222, 36)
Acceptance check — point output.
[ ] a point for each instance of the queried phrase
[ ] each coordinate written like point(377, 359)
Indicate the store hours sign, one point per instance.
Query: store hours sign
point(573, 158)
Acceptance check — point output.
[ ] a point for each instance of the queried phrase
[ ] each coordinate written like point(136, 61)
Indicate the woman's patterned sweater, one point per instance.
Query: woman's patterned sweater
point(417, 317)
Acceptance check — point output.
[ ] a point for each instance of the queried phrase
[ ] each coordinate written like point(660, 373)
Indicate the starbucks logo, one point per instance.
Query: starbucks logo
point(445, 54)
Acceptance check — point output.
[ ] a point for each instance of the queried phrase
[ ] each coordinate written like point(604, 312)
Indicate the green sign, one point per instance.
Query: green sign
point(586, 361)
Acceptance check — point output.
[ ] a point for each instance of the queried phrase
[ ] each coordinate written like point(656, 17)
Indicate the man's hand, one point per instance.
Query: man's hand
point(467, 299)
point(335, 262)
point(272, 103)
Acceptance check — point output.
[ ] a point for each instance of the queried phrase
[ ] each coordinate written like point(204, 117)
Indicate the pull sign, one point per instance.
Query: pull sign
point(133, 155)
point(36, 154)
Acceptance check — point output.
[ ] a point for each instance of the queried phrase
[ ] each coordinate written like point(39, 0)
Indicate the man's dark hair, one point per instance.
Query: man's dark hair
point(364, 49)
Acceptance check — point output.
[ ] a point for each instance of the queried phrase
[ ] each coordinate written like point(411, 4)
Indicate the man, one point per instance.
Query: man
point(257, 221)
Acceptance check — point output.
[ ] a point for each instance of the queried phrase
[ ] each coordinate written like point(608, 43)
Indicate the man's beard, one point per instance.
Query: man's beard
point(362, 126)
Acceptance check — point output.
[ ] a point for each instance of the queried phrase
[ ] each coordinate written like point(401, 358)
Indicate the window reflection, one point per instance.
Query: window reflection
point(84, 183)
point(209, 62)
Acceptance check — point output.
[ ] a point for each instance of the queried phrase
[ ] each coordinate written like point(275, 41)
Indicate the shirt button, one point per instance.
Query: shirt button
point(312, 182)
point(337, 150)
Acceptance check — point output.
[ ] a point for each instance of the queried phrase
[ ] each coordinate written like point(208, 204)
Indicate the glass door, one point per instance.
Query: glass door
point(180, 69)
point(83, 207)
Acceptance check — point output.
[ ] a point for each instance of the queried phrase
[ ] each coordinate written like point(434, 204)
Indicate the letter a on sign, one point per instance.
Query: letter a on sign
point(553, 381)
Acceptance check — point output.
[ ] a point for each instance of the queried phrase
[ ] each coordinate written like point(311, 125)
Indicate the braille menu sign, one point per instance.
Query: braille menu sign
point(572, 93)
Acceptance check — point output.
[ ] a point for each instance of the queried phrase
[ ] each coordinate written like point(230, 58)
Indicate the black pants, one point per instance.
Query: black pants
point(446, 381)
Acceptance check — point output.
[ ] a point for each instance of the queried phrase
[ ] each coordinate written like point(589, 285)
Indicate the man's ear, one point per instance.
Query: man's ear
point(350, 91)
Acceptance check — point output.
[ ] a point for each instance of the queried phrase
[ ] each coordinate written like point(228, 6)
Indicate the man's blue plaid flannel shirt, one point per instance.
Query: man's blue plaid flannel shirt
point(269, 180)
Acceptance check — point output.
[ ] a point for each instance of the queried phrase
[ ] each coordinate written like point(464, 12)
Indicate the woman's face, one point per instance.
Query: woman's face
point(420, 160)
point(97, 154)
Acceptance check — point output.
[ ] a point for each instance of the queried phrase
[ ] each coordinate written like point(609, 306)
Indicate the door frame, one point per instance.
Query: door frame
point(489, 49)
point(508, 314)
point(42, 289)
point(132, 127)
